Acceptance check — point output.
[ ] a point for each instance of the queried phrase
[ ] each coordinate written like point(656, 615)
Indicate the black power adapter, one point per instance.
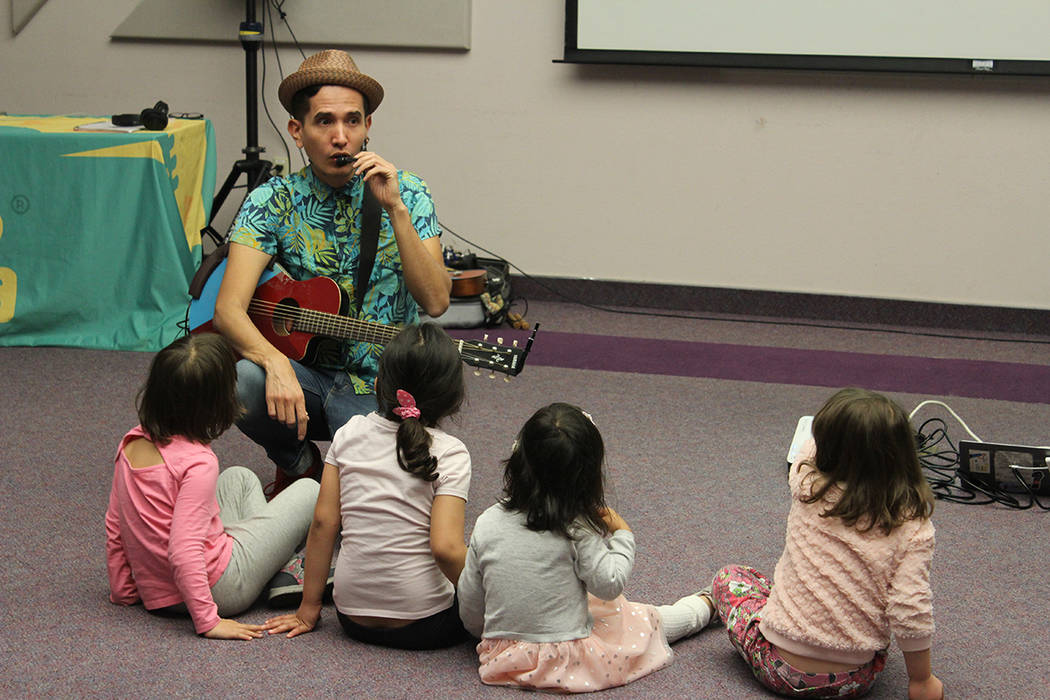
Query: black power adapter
point(1002, 467)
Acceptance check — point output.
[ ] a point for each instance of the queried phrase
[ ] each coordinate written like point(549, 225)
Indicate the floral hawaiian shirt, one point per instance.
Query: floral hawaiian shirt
point(314, 230)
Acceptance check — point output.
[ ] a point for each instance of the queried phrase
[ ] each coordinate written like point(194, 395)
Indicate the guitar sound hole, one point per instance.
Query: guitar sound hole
point(283, 320)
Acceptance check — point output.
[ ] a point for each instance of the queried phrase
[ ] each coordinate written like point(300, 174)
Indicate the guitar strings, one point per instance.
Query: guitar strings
point(324, 323)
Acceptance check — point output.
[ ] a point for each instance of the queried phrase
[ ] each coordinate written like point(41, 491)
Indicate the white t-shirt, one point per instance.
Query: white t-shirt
point(385, 567)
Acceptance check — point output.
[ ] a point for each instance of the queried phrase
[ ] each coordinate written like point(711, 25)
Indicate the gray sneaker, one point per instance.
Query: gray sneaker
point(285, 589)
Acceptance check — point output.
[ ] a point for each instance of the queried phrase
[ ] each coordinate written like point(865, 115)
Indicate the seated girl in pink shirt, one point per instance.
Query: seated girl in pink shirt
point(856, 563)
point(181, 537)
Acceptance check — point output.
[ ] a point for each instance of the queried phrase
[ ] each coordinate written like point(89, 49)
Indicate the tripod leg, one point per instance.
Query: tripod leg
point(256, 172)
point(263, 169)
point(224, 191)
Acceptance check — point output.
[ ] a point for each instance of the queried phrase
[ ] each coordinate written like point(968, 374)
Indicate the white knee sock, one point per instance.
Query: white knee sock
point(687, 616)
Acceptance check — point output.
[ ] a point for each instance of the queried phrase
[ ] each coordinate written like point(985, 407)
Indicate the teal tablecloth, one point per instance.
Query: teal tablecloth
point(100, 232)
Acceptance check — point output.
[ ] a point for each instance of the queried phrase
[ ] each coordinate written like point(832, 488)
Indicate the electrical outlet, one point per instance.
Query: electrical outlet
point(998, 466)
point(280, 167)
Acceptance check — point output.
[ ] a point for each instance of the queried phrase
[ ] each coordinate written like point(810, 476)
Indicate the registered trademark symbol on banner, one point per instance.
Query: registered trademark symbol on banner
point(20, 204)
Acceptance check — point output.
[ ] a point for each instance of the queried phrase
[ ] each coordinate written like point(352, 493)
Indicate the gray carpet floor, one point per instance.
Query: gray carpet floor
point(696, 464)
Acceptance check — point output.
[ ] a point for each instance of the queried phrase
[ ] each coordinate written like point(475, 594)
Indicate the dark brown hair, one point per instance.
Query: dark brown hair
point(191, 390)
point(301, 101)
point(866, 445)
point(554, 475)
point(423, 361)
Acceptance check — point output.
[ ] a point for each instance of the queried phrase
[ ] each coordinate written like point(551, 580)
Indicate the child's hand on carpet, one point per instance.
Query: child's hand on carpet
point(301, 621)
point(231, 629)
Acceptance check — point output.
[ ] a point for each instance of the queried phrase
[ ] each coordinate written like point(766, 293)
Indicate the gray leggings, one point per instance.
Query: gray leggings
point(265, 535)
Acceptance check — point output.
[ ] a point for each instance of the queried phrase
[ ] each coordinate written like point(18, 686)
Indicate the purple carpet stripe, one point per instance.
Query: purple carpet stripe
point(1008, 381)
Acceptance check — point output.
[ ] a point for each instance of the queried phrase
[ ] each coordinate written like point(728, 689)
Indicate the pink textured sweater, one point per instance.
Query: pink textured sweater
point(838, 594)
point(165, 543)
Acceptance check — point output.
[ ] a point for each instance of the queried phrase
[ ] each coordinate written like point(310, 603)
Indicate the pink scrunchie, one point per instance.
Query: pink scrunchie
point(407, 409)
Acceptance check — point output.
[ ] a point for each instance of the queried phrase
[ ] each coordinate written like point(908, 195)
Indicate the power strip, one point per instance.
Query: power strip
point(998, 466)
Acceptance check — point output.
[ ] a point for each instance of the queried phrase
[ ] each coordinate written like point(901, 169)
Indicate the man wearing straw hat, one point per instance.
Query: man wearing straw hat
point(311, 222)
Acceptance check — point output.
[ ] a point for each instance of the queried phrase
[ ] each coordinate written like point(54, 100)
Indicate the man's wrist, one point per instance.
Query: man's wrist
point(399, 208)
point(273, 359)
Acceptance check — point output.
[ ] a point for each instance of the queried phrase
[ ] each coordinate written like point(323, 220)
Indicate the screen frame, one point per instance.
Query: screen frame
point(898, 64)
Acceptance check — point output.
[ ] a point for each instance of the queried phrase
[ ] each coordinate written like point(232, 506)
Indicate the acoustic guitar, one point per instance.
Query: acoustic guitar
point(467, 283)
point(294, 315)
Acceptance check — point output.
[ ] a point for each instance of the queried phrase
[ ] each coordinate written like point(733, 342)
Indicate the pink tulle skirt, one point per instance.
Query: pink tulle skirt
point(626, 643)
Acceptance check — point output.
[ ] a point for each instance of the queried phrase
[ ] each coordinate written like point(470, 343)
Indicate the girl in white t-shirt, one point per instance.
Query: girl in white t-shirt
point(396, 486)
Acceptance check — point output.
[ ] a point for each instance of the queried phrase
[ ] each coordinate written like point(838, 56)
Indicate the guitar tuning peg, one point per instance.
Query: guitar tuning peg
point(485, 337)
point(499, 341)
point(506, 378)
point(492, 374)
point(477, 372)
point(514, 343)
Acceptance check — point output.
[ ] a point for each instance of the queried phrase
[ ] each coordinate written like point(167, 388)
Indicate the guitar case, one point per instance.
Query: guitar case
point(462, 312)
point(208, 265)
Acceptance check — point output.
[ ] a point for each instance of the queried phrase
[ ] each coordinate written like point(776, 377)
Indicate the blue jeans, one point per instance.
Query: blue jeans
point(330, 403)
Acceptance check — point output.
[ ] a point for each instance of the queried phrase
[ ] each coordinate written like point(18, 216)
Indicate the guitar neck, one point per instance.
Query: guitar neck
point(284, 319)
point(331, 325)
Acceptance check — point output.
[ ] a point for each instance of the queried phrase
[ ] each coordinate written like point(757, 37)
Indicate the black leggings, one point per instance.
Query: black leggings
point(440, 630)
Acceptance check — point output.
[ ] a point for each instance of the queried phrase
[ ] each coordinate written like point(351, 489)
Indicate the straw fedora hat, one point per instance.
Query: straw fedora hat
point(330, 67)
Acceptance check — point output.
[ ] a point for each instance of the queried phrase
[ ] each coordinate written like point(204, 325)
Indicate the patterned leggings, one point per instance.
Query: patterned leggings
point(740, 593)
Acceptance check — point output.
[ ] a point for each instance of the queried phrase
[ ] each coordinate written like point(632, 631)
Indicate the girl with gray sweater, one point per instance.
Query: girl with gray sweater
point(546, 566)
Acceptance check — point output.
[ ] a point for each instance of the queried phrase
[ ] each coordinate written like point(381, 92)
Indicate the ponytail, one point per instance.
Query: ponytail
point(413, 450)
point(420, 382)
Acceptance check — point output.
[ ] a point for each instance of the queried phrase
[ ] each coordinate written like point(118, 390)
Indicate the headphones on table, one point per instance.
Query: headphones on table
point(153, 118)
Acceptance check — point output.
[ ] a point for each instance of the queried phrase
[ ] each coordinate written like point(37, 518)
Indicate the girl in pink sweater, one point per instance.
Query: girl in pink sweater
point(181, 537)
point(856, 563)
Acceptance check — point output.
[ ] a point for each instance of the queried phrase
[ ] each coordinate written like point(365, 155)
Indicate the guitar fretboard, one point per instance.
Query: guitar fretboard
point(287, 318)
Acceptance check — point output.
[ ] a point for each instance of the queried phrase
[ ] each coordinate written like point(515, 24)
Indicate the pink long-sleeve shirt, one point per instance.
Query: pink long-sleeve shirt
point(165, 543)
point(839, 594)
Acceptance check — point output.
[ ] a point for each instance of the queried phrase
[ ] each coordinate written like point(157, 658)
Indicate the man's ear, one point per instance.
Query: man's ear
point(295, 129)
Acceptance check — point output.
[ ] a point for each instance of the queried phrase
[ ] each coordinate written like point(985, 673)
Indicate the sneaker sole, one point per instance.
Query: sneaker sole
point(292, 596)
point(285, 596)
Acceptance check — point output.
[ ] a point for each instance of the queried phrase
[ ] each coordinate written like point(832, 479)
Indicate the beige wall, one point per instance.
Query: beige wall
point(932, 188)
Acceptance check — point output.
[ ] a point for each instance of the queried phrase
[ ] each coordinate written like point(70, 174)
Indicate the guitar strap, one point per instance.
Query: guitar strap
point(207, 267)
point(370, 218)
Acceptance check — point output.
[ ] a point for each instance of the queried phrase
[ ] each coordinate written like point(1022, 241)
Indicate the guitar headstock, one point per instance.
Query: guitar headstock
point(495, 357)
